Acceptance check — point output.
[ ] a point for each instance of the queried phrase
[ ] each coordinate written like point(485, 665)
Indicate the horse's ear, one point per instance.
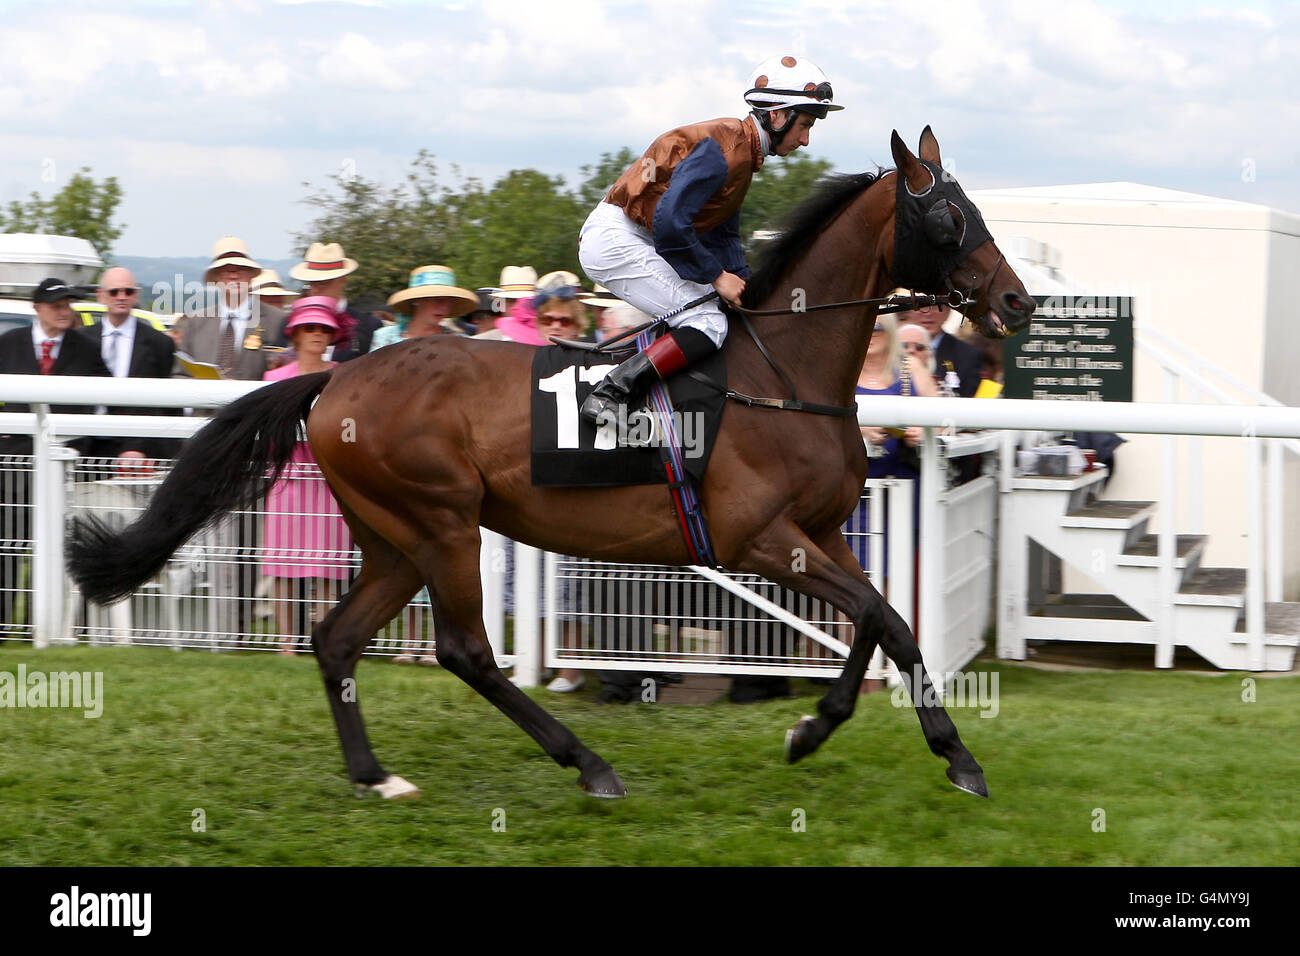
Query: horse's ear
point(909, 167)
point(930, 147)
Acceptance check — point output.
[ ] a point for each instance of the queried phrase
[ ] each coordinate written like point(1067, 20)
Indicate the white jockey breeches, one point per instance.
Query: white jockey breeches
point(620, 255)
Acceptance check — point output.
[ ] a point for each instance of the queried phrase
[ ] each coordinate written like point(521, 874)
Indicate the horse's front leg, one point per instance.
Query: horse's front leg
point(832, 574)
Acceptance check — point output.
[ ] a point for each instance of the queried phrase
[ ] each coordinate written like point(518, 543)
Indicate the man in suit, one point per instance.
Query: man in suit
point(325, 269)
point(951, 354)
point(232, 332)
point(234, 328)
point(48, 347)
point(130, 348)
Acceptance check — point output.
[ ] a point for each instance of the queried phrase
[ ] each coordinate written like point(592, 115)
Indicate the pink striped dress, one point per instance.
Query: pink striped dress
point(304, 535)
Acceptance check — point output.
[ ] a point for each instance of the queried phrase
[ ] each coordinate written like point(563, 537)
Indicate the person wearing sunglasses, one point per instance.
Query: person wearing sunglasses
point(559, 312)
point(668, 231)
point(891, 369)
point(307, 544)
point(130, 349)
point(957, 364)
point(914, 341)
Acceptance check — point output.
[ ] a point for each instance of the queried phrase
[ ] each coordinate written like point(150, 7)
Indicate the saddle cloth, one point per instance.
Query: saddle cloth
point(569, 451)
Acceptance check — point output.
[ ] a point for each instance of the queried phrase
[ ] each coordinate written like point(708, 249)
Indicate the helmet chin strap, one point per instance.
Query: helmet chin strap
point(770, 135)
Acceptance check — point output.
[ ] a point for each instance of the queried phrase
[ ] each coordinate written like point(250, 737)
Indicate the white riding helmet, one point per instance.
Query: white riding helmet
point(789, 82)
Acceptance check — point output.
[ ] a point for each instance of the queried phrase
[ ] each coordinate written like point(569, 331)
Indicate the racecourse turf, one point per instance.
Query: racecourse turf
point(1084, 768)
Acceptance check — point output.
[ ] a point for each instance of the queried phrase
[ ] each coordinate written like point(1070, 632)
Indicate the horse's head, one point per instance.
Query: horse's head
point(941, 244)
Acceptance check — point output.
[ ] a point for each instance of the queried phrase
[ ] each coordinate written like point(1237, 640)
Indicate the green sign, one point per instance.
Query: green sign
point(1077, 348)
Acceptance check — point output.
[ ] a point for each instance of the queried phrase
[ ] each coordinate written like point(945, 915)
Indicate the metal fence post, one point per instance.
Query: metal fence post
point(930, 626)
point(527, 572)
point(492, 575)
point(49, 499)
point(1255, 604)
point(1167, 542)
point(1010, 592)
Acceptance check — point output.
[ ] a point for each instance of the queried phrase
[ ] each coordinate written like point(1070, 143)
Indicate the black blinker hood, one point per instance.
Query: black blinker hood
point(929, 241)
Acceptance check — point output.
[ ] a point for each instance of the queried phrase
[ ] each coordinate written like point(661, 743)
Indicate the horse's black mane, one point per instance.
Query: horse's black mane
point(830, 196)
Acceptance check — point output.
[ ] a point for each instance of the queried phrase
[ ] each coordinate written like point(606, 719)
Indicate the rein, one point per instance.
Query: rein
point(954, 300)
point(900, 303)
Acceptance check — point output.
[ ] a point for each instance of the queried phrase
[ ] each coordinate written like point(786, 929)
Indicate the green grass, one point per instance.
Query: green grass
point(1186, 772)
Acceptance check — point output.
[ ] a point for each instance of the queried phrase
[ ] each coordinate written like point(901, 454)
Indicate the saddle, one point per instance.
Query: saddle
point(568, 451)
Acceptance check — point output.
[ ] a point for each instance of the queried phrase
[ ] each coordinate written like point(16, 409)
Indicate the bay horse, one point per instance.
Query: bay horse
point(426, 440)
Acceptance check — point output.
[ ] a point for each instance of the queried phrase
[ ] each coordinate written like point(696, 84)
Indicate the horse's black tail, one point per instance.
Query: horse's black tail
point(230, 463)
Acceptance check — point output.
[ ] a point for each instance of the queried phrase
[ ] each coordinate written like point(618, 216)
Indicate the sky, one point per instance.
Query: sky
point(214, 115)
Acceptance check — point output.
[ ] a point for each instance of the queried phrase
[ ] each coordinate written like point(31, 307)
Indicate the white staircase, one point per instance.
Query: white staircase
point(1047, 521)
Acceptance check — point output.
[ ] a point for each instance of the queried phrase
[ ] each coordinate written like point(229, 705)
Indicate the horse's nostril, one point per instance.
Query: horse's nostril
point(1017, 308)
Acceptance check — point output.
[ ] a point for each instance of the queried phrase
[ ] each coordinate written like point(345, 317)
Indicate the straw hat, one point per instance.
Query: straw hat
point(600, 298)
point(561, 285)
point(433, 282)
point(324, 261)
point(268, 283)
point(230, 251)
point(560, 279)
point(518, 282)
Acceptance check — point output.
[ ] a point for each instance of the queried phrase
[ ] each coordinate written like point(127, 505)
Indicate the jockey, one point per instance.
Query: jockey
point(670, 227)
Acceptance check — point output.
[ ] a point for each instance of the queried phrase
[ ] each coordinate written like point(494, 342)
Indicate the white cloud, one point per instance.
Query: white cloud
point(357, 63)
point(267, 94)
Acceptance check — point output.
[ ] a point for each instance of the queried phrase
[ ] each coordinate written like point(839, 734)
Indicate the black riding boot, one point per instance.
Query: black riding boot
point(628, 382)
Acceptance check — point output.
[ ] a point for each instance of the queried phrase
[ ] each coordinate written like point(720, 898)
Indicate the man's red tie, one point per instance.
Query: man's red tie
point(47, 360)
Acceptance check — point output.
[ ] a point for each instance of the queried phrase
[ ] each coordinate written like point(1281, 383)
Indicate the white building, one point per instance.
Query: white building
point(1220, 277)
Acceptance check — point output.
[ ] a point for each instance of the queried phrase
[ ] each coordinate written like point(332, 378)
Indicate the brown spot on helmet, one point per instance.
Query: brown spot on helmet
point(761, 82)
point(788, 61)
point(809, 86)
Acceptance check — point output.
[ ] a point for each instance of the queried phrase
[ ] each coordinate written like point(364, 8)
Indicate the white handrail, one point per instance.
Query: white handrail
point(1198, 380)
point(96, 390)
point(1271, 490)
point(886, 410)
point(1249, 391)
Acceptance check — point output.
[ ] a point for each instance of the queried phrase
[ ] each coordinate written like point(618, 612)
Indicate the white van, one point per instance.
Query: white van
point(27, 259)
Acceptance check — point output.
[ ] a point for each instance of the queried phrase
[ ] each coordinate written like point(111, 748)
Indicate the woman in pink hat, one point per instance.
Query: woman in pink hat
point(305, 537)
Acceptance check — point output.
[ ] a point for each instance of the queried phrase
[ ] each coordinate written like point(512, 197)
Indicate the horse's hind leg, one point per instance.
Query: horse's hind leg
point(387, 582)
point(452, 573)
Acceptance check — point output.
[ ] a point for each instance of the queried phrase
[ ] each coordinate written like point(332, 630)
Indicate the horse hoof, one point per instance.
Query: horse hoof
point(972, 781)
point(605, 784)
point(391, 787)
point(801, 739)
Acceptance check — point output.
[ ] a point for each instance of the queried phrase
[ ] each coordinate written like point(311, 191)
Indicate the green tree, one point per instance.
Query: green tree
point(388, 230)
point(777, 188)
point(82, 208)
point(525, 218)
point(597, 179)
